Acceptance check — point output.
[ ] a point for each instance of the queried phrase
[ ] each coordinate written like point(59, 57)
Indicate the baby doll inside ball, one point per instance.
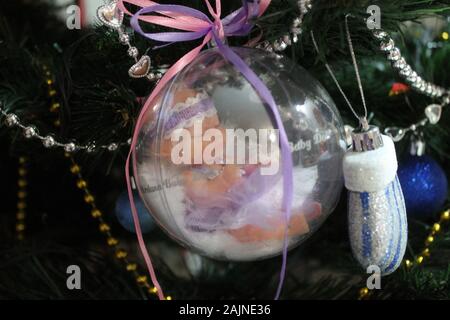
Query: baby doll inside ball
point(208, 162)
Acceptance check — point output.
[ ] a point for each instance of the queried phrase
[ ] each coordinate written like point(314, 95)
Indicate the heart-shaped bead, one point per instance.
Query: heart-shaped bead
point(395, 133)
point(141, 69)
point(433, 112)
point(110, 15)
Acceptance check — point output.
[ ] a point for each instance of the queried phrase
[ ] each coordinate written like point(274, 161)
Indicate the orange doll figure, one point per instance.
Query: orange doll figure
point(298, 225)
point(235, 199)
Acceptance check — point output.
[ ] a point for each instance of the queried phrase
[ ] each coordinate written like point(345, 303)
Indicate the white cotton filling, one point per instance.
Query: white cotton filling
point(219, 244)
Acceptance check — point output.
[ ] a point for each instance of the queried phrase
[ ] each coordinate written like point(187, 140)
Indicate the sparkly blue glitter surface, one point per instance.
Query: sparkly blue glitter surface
point(424, 185)
point(125, 217)
point(378, 227)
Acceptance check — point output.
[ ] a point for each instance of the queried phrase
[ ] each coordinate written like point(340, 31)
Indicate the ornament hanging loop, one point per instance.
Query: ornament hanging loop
point(417, 144)
point(358, 77)
point(364, 124)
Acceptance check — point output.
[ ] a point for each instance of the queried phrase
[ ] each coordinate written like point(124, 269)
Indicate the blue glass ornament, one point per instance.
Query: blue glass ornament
point(424, 185)
point(125, 216)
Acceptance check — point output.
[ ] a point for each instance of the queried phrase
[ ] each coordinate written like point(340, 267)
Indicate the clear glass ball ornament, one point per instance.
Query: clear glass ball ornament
point(207, 162)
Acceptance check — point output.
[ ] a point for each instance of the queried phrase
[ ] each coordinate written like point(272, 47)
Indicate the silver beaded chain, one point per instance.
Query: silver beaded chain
point(399, 63)
point(30, 132)
point(387, 45)
point(114, 20)
point(111, 16)
point(292, 36)
point(433, 114)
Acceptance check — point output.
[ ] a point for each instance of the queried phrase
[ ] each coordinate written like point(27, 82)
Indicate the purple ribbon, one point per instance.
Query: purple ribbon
point(236, 24)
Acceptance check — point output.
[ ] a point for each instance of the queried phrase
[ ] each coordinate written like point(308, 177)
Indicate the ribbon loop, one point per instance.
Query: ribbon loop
point(218, 25)
point(194, 22)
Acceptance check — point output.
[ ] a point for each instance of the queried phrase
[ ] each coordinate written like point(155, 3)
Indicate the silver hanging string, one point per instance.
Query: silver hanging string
point(355, 65)
point(362, 119)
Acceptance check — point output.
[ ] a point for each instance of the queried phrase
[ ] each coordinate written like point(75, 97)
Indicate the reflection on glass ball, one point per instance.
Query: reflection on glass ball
point(208, 159)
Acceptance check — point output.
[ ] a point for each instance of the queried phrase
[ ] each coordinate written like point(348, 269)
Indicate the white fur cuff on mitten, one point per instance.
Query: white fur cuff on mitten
point(371, 171)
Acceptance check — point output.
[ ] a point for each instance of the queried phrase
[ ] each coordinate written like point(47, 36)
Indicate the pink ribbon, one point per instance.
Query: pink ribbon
point(177, 19)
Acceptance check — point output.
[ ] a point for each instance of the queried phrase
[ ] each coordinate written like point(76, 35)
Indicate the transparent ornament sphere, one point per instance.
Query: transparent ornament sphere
point(207, 163)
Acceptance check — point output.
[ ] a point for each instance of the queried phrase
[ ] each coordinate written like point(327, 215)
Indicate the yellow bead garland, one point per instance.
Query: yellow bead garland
point(22, 194)
point(364, 293)
point(120, 253)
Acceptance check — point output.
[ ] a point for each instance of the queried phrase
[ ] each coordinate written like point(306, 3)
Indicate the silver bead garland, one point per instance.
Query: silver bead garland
point(399, 63)
point(278, 45)
point(387, 45)
point(30, 132)
point(295, 31)
point(433, 114)
point(111, 16)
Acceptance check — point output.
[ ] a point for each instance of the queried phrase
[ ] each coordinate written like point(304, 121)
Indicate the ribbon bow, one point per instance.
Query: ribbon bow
point(196, 25)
